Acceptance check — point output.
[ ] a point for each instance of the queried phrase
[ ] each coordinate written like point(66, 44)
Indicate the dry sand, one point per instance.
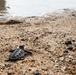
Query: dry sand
point(45, 36)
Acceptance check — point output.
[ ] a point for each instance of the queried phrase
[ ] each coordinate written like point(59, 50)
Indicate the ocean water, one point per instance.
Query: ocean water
point(26, 8)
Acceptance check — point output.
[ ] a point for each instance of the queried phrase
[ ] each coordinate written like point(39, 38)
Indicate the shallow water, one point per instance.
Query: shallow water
point(32, 7)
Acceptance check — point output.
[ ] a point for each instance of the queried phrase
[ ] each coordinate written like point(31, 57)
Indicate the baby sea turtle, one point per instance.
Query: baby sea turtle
point(18, 54)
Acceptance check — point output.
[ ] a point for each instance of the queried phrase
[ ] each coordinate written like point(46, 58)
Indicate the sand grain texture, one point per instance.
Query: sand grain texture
point(45, 37)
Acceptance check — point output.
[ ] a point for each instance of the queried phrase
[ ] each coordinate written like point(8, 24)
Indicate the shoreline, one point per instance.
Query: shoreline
point(50, 14)
point(45, 36)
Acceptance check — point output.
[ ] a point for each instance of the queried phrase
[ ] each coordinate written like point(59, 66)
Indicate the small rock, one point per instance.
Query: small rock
point(7, 65)
point(68, 42)
point(73, 40)
point(32, 60)
point(29, 69)
point(11, 21)
point(74, 14)
point(71, 57)
point(22, 39)
point(2, 66)
point(37, 73)
point(56, 65)
point(70, 47)
point(65, 51)
point(9, 73)
point(63, 69)
point(62, 58)
point(36, 37)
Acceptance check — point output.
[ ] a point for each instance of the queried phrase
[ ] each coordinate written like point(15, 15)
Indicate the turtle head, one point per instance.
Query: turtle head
point(21, 46)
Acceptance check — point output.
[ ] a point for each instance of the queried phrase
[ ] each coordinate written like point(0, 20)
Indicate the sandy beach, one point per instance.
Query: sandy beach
point(45, 37)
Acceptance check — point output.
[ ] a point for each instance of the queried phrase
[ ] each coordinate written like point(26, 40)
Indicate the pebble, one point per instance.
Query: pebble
point(7, 65)
point(56, 65)
point(70, 47)
point(65, 51)
point(2, 66)
point(68, 42)
point(22, 39)
point(73, 40)
point(37, 73)
point(71, 57)
point(61, 58)
point(63, 68)
point(9, 73)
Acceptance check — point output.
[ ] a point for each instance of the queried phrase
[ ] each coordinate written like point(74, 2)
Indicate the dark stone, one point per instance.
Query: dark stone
point(22, 39)
point(13, 22)
point(36, 37)
point(37, 73)
point(50, 32)
point(68, 42)
point(70, 48)
point(74, 14)
point(7, 65)
point(65, 51)
point(9, 73)
point(73, 40)
point(65, 35)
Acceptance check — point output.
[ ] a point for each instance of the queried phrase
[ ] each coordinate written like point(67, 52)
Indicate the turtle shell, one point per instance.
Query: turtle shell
point(17, 54)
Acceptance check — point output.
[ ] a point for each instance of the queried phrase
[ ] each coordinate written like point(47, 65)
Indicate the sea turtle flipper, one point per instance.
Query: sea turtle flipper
point(29, 52)
point(7, 59)
point(11, 50)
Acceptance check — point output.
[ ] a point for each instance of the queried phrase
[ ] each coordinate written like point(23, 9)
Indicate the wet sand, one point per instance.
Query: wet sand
point(45, 36)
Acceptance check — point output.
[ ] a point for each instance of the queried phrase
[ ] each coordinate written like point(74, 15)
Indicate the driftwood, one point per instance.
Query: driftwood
point(12, 20)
